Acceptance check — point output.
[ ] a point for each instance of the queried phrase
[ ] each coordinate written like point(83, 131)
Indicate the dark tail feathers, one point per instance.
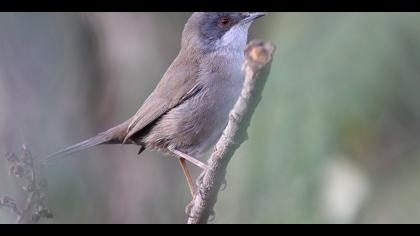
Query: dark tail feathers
point(112, 136)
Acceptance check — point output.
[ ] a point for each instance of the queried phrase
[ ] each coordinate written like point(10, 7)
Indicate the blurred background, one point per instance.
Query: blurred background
point(335, 139)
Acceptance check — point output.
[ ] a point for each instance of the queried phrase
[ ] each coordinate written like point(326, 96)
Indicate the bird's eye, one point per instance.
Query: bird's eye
point(224, 21)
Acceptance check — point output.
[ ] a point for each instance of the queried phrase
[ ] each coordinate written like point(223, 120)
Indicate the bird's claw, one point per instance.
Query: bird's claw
point(188, 209)
point(199, 180)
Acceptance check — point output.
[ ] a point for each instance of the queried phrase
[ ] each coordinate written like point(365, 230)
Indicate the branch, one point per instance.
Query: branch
point(25, 168)
point(256, 67)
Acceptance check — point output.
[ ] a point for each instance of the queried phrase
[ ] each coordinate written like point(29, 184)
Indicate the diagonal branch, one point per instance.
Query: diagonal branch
point(256, 67)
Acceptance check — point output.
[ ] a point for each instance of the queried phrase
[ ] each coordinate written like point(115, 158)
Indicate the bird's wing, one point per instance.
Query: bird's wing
point(177, 84)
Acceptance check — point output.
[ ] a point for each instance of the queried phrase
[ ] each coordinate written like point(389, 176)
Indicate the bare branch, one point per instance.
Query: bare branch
point(256, 67)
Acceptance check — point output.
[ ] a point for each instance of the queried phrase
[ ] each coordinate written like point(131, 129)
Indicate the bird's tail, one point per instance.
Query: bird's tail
point(112, 136)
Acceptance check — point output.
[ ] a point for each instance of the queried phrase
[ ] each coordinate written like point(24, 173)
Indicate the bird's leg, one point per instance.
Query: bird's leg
point(184, 167)
point(188, 158)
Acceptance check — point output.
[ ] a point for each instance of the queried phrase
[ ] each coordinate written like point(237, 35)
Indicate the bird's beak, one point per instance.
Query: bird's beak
point(251, 16)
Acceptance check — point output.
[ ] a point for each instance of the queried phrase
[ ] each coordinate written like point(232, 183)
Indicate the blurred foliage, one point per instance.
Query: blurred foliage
point(334, 140)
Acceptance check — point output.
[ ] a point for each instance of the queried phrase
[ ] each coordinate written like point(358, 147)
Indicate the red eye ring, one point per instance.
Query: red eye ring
point(223, 21)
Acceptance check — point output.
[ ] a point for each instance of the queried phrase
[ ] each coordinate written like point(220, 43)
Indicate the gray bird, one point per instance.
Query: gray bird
point(188, 110)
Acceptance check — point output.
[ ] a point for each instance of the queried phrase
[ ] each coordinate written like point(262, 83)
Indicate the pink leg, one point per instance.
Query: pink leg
point(187, 175)
point(188, 158)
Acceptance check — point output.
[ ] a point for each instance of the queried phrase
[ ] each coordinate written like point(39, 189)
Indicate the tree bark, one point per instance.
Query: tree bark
point(256, 67)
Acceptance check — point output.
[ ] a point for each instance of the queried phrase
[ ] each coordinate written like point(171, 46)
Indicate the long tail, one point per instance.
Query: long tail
point(112, 136)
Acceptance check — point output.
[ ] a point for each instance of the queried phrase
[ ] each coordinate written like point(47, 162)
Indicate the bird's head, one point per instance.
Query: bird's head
point(218, 30)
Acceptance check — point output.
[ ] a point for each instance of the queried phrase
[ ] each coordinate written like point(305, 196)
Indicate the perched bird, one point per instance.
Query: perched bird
point(188, 110)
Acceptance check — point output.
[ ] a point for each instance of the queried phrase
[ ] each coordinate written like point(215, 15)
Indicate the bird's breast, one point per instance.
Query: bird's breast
point(223, 89)
point(196, 124)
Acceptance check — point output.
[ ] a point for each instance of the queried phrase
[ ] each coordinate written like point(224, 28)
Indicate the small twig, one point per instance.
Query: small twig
point(256, 67)
point(9, 203)
point(24, 167)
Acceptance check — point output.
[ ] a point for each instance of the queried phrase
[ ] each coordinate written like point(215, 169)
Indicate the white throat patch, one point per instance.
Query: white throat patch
point(236, 37)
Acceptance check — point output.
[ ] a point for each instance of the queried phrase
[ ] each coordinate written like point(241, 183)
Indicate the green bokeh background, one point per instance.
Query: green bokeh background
point(335, 139)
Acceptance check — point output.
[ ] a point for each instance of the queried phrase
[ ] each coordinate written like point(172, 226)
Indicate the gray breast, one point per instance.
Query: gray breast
point(195, 125)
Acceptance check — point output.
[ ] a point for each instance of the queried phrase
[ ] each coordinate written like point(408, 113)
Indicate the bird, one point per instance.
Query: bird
point(187, 111)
